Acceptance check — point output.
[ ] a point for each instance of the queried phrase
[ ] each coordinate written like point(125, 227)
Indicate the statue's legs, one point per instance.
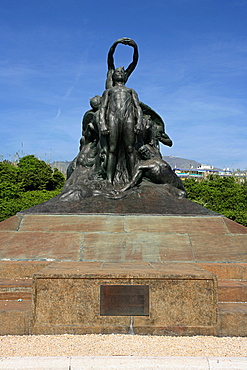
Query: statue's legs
point(129, 141)
point(113, 143)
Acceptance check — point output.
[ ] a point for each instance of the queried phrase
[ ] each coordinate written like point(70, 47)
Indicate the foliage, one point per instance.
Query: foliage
point(35, 174)
point(8, 172)
point(224, 195)
point(9, 207)
point(26, 184)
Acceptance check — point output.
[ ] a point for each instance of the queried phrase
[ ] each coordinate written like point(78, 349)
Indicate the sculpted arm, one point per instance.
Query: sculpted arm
point(138, 126)
point(110, 59)
point(137, 176)
point(132, 65)
point(140, 172)
point(110, 64)
point(102, 113)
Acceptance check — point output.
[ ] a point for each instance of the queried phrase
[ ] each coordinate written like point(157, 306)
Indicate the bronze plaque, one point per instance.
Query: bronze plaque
point(124, 300)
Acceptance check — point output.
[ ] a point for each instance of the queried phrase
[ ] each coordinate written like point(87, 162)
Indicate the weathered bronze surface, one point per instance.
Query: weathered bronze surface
point(124, 300)
point(119, 169)
point(144, 199)
point(119, 147)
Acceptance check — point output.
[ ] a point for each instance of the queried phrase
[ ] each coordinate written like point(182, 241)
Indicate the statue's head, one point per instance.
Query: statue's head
point(95, 102)
point(119, 75)
point(146, 152)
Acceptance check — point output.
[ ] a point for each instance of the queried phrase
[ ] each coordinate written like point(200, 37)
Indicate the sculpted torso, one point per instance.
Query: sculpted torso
point(120, 103)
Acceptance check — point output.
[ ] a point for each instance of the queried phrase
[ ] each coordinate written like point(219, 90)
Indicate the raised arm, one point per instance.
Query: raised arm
point(110, 60)
point(110, 64)
point(132, 65)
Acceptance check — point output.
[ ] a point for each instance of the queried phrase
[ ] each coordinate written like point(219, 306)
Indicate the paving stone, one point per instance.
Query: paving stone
point(40, 245)
point(20, 269)
point(152, 247)
point(234, 227)
point(79, 223)
point(15, 317)
point(176, 224)
point(11, 223)
point(232, 319)
point(232, 291)
point(224, 270)
point(219, 248)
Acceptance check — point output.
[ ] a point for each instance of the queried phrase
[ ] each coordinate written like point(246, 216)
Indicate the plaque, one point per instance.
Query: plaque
point(124, 300)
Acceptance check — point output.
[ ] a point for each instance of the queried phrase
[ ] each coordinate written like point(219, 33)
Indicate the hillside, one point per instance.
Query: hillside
point(174, 162)
point(177, 162)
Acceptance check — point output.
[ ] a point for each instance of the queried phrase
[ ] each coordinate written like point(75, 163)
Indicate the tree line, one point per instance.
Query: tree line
point(224, 195)
point(32, 181)
point(29, 182)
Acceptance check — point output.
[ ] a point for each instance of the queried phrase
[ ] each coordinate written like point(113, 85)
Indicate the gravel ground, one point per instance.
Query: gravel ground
point(121, 345)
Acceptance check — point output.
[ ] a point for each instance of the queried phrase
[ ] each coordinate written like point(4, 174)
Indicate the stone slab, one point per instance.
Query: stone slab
point(232, 319)
point(220, 248)
point(234, 227)
point(11, 223)
point(225, 270)
point(111, 238)
point(40, 245)
point(244, 271)
point(95, 223)
point(176, 224)
point(66, 299)
point(15, 317)
point(136, 246)
point(232, 291)
point(20, 269)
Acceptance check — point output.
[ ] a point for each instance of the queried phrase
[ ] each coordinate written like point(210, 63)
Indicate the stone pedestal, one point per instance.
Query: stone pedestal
point(181, 298)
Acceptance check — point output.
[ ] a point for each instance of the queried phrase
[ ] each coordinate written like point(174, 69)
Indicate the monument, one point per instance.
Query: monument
point(122, 249)
point(119, 148)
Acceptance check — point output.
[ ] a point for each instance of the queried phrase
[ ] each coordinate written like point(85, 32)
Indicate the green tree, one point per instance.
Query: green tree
point(26, 184)
point(58, 179)
point(34, 174)
point(224, 195)
point(8, 172)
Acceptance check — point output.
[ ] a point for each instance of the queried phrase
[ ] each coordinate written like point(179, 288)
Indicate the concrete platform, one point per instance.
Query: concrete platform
point(123, 362)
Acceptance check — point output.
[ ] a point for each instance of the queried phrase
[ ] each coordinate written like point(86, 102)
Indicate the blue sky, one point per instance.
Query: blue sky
point(192, 70)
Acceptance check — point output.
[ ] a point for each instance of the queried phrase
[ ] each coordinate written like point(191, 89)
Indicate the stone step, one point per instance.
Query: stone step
point(232, 290)
point(15, 283)
point(15, 317)
point(232, 319)
point(15, 296)
point(15, 289)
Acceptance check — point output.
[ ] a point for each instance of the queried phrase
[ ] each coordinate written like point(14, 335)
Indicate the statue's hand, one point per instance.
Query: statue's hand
point(127, 41)
point(138, 129)
point(104, 130)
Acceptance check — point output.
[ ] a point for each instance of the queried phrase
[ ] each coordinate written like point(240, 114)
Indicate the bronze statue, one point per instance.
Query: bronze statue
point(121, 119)
point(119, 148)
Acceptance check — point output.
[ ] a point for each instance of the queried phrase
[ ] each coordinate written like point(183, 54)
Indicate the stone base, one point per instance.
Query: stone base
point(119, 238)
point(66, 299)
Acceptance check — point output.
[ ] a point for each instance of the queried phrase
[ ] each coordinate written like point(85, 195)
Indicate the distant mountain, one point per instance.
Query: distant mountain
point(61, 166)
point(174, 162)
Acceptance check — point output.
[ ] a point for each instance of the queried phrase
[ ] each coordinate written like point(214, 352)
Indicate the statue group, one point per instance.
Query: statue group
point(119, 147)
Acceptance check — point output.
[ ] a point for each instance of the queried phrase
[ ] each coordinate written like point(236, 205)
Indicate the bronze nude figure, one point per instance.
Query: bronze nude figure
point(119, 148)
